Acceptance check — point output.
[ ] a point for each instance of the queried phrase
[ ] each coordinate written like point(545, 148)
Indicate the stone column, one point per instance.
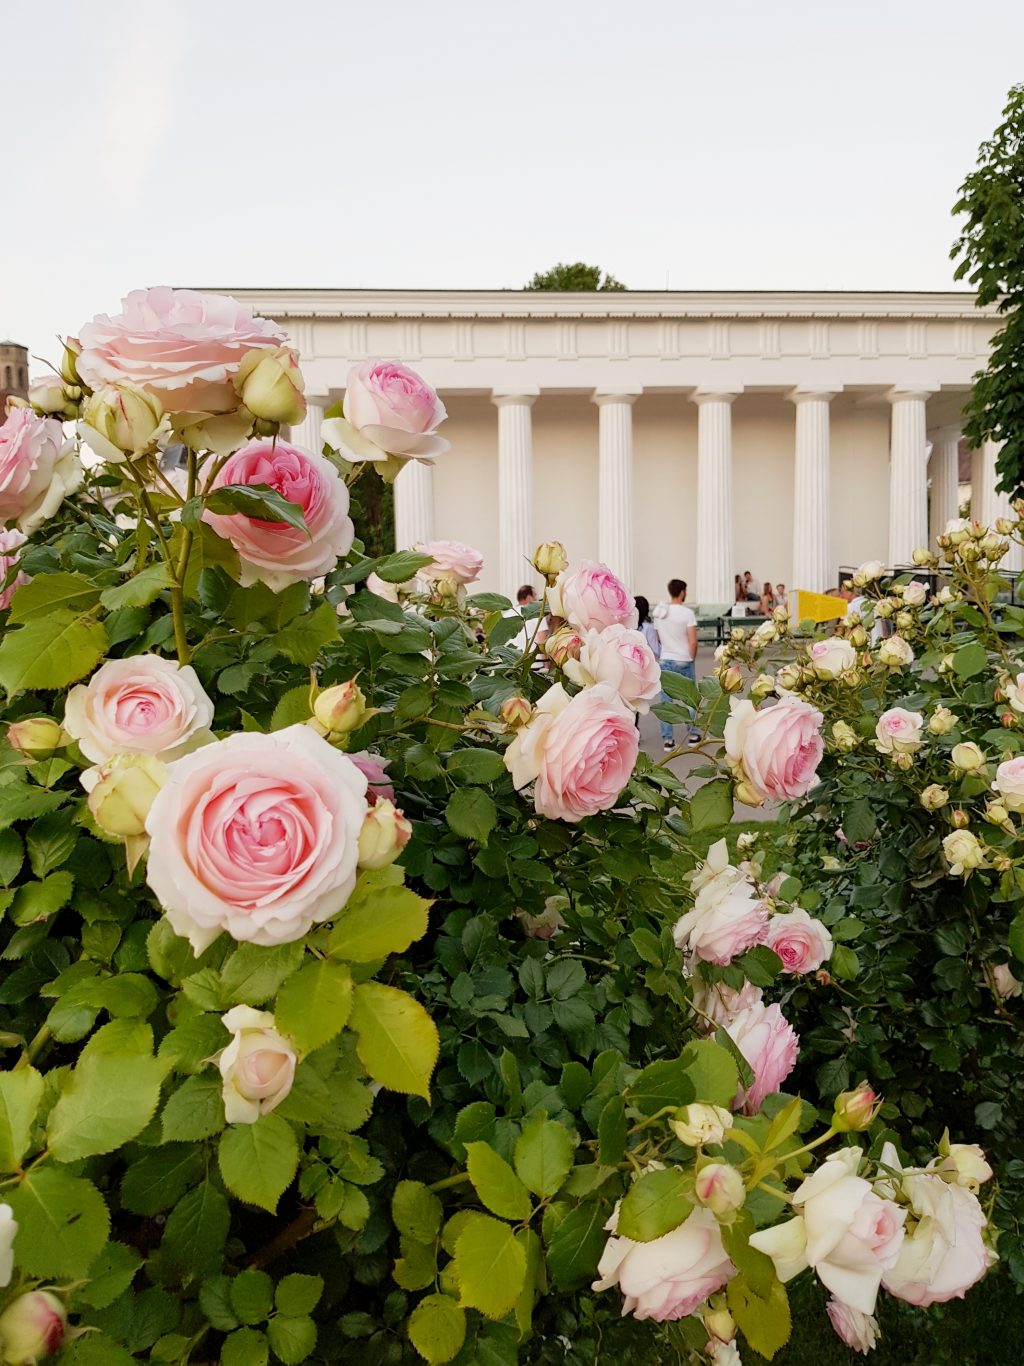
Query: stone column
point(414, 505)
point(515, 489)
point(944, 477)
point(813, 569)
point(615, 484)
point(908, 474)
point(307, 432)
point(716, 569)
point(988, 504)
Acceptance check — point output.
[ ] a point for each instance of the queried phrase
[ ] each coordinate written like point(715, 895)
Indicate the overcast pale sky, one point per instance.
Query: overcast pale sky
point(724, 144)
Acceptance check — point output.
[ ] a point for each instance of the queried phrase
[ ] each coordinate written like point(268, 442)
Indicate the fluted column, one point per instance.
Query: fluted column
point(988, 504)
point(944, 478)
point(715, 565)
point(812, 530)
point(615, 484)
point(515, 489)
point(307, 432)
point(908, 474)
point(414, 505)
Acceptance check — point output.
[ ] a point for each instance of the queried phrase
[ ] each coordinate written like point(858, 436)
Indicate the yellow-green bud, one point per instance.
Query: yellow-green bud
point(855, 1110)
point(844, 736)
point(858, 637)
point(270, 385)
point(32, 1327)
point(122, 790)
point(967, 757)
point(69, 361)
point(36, 737)
point(720, 1188)
point(934, 797)
point(121, 422)
point(941, 721)
point(720, 1324)
point(384, 834)
point(515, 712)
point(731, 678)
point(341, 708)
point(697, 1125)
point(550, 560)
point(996, 814)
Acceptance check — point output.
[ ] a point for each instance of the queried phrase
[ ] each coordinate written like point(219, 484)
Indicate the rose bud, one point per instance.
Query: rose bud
point(121, 422)
point(122, 790)
point(270, 385)
point(563, 644)
point(516, 711)
point(921, 557)
point(697, 1125)
point(384, 834)
point(547, 924)
point(731, 679)
point(762, 686)
point(903, 761)
point(788, 676)
point(1007, 719)
point(341, 708)
point(934, 797)
point(32, 1327)
point(844, 736)
point(719, 1323)
point(996, 814)
point(1006, 526)
point(965, 1162)
point(967, 757)
point(720, 1187)
point(746, 793)
point(963, 852)
point(257, 1067)
point(960, 818)
point(941, 721)
point(904, 621)
point(69, 361)
point(855, 1110)
point(858, 637)
point(49, 396)
point(550, 560)
point(37, 737)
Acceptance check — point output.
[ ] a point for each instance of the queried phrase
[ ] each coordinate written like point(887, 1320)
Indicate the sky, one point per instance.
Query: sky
point(728, 144)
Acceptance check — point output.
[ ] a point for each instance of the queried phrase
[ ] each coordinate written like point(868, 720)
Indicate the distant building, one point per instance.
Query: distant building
point(13, 373)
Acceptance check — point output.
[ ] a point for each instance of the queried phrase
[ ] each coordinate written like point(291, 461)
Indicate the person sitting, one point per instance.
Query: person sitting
point(780, 595)
point(749, 587)
point(741, 589)
point(767, 599)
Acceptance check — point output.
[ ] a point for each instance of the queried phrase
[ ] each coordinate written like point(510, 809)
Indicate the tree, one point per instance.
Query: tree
point(578, 277)
point(990, 249)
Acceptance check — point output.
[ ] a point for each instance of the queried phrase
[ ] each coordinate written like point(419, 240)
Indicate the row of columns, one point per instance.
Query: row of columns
point(913, 462)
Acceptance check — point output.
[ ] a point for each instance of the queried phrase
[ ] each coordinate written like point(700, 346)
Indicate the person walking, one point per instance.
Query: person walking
point(676, 626)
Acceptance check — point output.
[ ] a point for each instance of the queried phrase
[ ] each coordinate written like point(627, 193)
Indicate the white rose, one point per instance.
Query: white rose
point(832, 657)
point(868, 572)
point(1005, 982)
point(915, 594)
point(965, 1161)
point(670, 1276)
point(898, 731)
point(963, 852)
point(1015, 692)
point(700, 1124)
point(895, 653)
point(724, 1353)
point(957, 529)
point(8, 1228)
point(258, 1065)
point(967, 757)
point(1009, 783)
point(945, 1253)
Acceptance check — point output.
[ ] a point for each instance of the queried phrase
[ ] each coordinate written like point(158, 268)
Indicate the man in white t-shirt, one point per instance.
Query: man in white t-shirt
point(676, 626)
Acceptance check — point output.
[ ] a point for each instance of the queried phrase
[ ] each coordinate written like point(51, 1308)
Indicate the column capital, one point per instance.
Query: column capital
point(523, 396)
point(900, 393)
point(709, 394)
point(602, 396)
point(807, 395)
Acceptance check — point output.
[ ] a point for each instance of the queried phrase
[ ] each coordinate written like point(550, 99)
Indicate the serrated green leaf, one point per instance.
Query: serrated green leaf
point(39, 900)
point(256, 500)
point(764, 1320)
point(305, 637)
point(20, 1094)
point(215, 1302)
point(258, 1161)
point(476, 765)
point(970, 659)
point(711, 1071)
point(252, 1296)
point(245, 1347)
point(190, 1046)
point(292, 708)
point(416, 1211)
point(63, 1223)
point(1016, 937)
point(52, 592)
point(611, 1132)
point(298, 1294)
point(711, 805)
point(50, 652)
point(656, 1204)
point(194, 1111)
point(497, 1185)
point(416, 1268)
point(543, 1156)
point(292, 1339)
point(575, 1246)
point(140, 589)
point(491, 1267)
point(437, 1328)
point(110, 1275)
point(398, 1041)
point(662, 1083)
point(387, 920)
point(51, 841)
point(471, 814)
point(111, 1096)
point(196, 1230)
point(160, 1178)
point(314, 1004)
point(253, 973)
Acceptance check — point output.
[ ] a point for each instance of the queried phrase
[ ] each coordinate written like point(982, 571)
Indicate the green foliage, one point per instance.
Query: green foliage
point(576, 277)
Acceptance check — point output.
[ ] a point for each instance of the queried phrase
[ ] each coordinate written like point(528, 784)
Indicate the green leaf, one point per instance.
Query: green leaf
point(246, 1347)
point(19, 802)
point(496, 1183)
point(12, 856)
point(575, 1246)
point(110, 1275)
point(416, 1211)
point(50, 841)
point(39, 900)
point(256, 500)
point(253, 973)
point(51, 652)
point(292, 708)
point(656, 1204)
point(303, 639)
point(215, 1302)
point(298, 1294)
point(611, 1132)
point(139, 590)
point(96, 1349)
point(292, 1339)
point(194, 1111)
point(844, 962)
point(112, 1094)
point(252, 1296)
point(543, 1156)
point(314, 1004)
point(437, 1328)
point(398, 1041)
point(400, 566)
point(63, 1223)
point(190, 1046)
point(160, 1178)
point(712, 1071)
point(471, 814)
point(764, 1320)
point(196, 1230)
point(20, 1094)
point(711, 805)
point(662, 1083)
point(476, 765)
point(50, 592)
point(386, 921)
point(1016, 937)
point(859, 824)
point(680, 689)
point(970, 659)
point(491, 1267)
point(756, 1266)
point(258, 1161)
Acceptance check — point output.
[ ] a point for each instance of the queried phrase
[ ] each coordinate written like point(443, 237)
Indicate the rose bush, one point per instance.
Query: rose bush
point(363, 993)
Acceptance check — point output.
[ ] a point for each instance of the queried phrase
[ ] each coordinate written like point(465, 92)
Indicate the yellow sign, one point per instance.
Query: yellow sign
point(817, 606)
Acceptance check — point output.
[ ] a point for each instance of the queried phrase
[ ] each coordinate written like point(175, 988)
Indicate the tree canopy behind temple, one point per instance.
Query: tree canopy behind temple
point(578, 276)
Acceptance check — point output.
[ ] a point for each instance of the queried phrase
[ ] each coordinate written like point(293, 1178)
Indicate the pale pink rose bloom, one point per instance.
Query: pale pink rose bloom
point(857, 1330)
point(1015, 693)
point(623, 659)
point(720, 1003)
point(141, 705)
point(578, 752)
point(257, 1066)
point(11, 543)
point(945, 1253)
point(451, 560)
point(723, 1353)
point(833, 656)
point(256, 835)
point(1009, 783)
point(591, 597)
point(778, 747)
point(802, 942)
point(1006, 984)
point(36, 472)
point(372, 767)
point(388, 410)
point(273, 552)
point(182, 346)
point(770, 1045)
point(720, 928)
point(898, 731)
point(670, 1276)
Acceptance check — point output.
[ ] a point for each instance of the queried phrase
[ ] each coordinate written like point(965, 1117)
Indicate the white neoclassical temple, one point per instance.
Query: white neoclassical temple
point(689, 434)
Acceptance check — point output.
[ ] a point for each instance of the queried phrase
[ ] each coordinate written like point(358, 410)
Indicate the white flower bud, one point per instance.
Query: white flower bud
point(270, 385)
point(384, 834)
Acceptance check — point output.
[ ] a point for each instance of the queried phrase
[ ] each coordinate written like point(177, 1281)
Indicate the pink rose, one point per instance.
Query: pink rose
point(180, 345)
point(372, 767)
point(273, 552)
point(1005, 982)
point(141, 705)
point(579, 753)
point(257, 1067)
point(670, 1276)
point(770, 1045)
point(944, 1253)
point(389, 410)
point(802, 942)
point(778, 748)
point(257, 835)
point(857, 1330)
point(592, 597)
point(1009, 783)
point(36, 473)
point(898, 731)
point(10, 543)
point(450, 560)
point(621, 658)
point(727, 919)
point(720, 1004)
